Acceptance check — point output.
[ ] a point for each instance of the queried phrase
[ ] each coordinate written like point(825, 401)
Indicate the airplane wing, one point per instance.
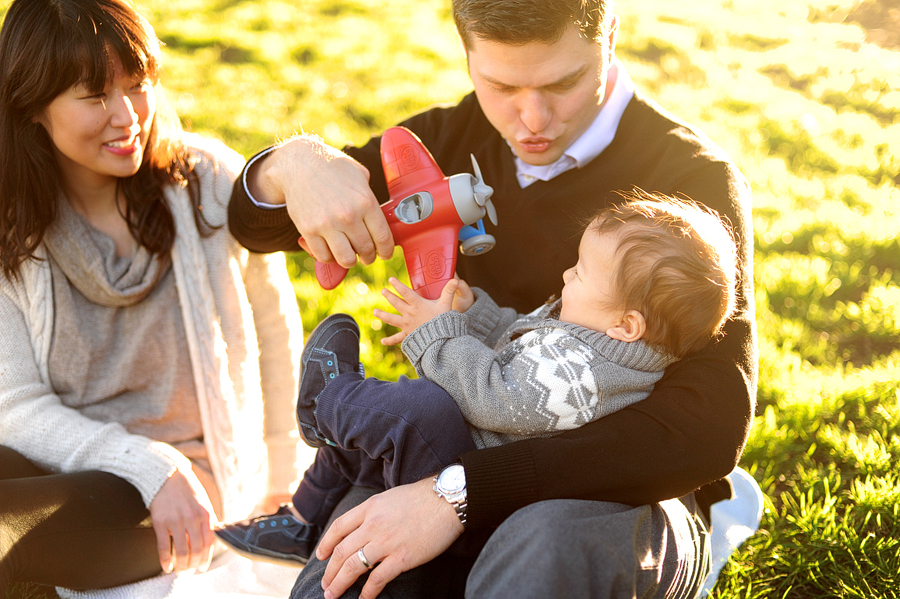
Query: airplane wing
point(431, 260)
point(408, 165)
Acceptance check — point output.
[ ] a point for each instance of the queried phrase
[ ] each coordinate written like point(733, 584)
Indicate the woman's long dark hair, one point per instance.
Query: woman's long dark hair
point(46, 47)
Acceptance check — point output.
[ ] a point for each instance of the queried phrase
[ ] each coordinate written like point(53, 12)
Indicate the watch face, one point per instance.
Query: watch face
point(452, 479)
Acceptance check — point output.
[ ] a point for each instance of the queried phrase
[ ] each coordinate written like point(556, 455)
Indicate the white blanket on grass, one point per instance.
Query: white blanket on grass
point(230, 576)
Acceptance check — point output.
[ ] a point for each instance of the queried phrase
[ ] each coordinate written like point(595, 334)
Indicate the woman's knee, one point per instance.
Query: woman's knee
point(14, 465)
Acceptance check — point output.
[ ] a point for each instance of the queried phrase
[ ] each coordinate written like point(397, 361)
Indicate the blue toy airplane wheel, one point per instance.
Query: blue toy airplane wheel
point(477, 244)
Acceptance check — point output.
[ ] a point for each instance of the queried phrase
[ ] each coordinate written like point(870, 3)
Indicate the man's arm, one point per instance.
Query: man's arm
point(327, 198)
point(689, 432)
point(306, 158)
point(701, 406)
point(407, 526)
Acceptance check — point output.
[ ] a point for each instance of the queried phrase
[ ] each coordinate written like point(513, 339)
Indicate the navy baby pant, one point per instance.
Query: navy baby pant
point(388, 434)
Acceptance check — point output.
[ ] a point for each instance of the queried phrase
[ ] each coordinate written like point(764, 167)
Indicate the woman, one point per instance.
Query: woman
point(135, 329)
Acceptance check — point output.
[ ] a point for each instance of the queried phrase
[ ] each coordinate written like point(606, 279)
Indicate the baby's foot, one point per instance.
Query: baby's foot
point(281, 538)
point(332, 349)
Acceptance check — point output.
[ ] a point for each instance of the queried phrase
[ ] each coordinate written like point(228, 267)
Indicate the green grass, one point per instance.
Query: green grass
point(803, 95)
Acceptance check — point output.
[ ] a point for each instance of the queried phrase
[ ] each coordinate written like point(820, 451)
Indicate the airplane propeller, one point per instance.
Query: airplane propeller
point(483, 192)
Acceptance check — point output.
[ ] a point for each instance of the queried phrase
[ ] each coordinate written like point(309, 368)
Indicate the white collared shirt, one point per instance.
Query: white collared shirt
point(594, 140)
point(258, 203)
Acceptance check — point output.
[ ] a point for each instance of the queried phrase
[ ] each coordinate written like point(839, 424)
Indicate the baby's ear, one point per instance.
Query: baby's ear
point(631, 328)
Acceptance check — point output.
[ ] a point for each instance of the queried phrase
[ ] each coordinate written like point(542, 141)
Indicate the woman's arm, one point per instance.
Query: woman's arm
point(276, 320)
point(34, 422)
point(279, 332)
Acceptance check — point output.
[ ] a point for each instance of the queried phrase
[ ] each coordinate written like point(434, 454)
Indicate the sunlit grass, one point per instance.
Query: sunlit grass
point(807, 107)
point(252, 72)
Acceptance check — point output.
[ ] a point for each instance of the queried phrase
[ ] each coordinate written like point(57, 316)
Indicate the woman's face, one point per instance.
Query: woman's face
point(101, 136)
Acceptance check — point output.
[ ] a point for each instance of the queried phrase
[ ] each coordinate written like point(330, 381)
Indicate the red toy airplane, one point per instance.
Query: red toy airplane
point(427, 213)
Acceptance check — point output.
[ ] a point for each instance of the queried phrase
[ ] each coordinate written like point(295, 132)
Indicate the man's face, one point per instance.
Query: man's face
point(541, 97)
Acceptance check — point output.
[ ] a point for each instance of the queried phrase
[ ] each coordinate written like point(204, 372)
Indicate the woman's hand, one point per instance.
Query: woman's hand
point(398, 530)
point(182, 520)
point(414, 310)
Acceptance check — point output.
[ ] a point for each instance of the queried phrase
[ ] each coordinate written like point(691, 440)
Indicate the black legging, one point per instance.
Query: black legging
point(84, 530)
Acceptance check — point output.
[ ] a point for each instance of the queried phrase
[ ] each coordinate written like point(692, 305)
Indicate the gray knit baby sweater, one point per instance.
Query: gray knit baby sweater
point(516, 376)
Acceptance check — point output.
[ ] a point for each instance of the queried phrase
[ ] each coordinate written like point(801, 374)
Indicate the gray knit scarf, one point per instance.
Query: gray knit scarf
point(92, 266)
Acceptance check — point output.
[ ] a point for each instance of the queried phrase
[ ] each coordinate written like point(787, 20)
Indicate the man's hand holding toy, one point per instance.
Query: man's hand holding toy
point(429, 214)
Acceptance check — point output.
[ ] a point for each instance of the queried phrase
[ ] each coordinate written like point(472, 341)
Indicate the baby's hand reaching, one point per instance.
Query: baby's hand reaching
point(414, 310)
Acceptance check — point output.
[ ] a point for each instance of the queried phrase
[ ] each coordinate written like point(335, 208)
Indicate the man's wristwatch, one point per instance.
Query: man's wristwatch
point(451, 485)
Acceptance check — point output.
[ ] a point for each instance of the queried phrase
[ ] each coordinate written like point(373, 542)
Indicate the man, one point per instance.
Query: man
point(608, 509)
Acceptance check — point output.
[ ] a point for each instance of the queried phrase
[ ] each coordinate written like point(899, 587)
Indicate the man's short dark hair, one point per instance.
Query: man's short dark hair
point(518, 22)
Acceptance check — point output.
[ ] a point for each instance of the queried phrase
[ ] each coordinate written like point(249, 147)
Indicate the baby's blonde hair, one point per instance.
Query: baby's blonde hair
point(677, 265)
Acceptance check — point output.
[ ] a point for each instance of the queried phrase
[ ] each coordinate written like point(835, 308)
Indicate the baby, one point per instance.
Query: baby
point(654, 282)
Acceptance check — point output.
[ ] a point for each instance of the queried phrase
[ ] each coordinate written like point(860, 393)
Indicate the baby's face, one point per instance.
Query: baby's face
point(589, 298)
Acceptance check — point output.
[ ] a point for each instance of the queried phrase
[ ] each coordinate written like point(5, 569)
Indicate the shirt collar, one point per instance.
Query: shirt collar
point(594, 140)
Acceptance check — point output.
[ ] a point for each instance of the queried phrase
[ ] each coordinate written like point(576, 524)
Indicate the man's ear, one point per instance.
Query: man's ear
point(612, 36)
point(631, 328)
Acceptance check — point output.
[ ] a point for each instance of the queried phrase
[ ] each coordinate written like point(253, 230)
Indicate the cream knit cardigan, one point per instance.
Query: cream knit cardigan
point(244, 338)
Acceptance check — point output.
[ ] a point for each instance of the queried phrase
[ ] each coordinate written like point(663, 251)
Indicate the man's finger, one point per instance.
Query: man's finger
point(361, 241)
point(385, 572)
point(380, 233)
point(350, 571)
point(342, 250)
point(338, 530)
point(316, 247)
